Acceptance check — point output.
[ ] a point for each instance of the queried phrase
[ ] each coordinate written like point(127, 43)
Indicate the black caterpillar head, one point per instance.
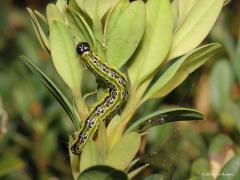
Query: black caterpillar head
point(82, 47)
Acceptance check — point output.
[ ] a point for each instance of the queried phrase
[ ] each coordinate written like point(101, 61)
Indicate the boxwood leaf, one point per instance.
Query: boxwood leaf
point(195, 27)
point(164, 116)
point(55, 91)
point(102, 141)
point(53, 14)
point(114, 15)
point(184, 7)
point(80, 28)
point(123, 151)
point(102, 173)
point(90, 156)
point(74, 160)
point(61, 5)
point(64, 55)
point(123, 39)
point(96, 8)
point(42, 38)
point(156, 41)
point(179, 70)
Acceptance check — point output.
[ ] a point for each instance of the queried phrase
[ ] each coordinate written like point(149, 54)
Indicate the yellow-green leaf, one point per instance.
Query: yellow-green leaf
point(42, 38)
point(123, 39)
point(124, 151)
point(96, 8)
point(195, 27)
point(65, 58)
point(156, 41)
point(53, 13)
point(179, 70)
point(80, 28)
point(184, 7)
point(90, 156)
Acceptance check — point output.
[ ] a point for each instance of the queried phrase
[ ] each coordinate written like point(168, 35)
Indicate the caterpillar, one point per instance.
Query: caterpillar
point(109, 105)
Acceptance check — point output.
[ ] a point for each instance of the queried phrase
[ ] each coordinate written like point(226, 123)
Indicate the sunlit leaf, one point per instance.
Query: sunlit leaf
point(96, 8)
point(53, 14)
point(80, 28)
point(123, 39)
point(64, 55)
point(195, 27)
point(102, 141)
point(156, 41)
point(123, 151)
point(116, 12)
point(74, 160)
point(184, 7)
point(179, 70)
point(42, 38)
point(61, 5)
point(90, 156)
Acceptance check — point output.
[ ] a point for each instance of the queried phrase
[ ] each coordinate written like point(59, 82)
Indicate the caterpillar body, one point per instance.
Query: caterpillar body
point(109, 105)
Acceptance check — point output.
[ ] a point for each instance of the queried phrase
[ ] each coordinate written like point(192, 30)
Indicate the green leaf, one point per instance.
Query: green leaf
point(156, 40)
point(64, 56)
point(74, 160)
point(231, 171)
point(165, 116)
point(114, 131)
point(96, 8)
point(102, 173)
point(80, 28)
point(175, 13)
point(124, 151)
point(123, 39)
point(42, 38)
point(102, 141)
point(53, 14)
point(72, 4)
point(184, 7)
point(195, 27)
point(179, 70)
point(10, 163)
point(55, 91)
point(221, 81)
point(61, 5)
point(114, 15)
point(41, 16)
point(90, 156)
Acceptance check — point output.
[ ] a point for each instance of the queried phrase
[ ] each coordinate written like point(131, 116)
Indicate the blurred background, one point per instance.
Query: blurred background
point(34, 129)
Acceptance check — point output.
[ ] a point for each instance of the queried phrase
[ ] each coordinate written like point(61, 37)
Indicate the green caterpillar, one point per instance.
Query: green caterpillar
point(111, 103)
